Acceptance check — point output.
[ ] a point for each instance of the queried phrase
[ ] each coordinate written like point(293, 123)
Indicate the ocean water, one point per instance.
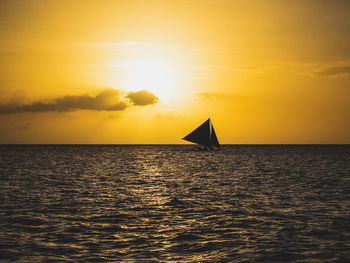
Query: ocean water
point(169, 203)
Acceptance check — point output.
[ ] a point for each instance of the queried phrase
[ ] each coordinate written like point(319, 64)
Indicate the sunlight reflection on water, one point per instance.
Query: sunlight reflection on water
point(170, 203)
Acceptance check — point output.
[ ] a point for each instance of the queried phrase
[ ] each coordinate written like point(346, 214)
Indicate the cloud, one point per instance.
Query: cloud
point(107, 100)
point(334, 71)
point(226, 99)
point(225, 68)
point(142, 98)
point(217, 96)
point(211, 95)
point(133, 44)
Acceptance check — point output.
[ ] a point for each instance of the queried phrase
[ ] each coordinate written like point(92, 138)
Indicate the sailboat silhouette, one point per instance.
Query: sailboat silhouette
point(204, 135)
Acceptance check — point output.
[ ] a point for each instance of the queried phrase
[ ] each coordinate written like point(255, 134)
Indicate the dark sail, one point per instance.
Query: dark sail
point(204, 135)
point(213, 139)
point(201, 135)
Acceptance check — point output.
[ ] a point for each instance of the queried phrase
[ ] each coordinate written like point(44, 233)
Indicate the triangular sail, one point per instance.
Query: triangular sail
point(213, 139)
point(201, 135)
point(204, 135)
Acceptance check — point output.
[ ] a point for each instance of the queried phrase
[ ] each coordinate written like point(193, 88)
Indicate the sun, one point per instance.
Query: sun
point(154, 75)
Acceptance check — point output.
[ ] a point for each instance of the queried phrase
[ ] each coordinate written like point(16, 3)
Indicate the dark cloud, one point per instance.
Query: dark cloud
point(333, 71)
point(107, 100)
point(142, 98)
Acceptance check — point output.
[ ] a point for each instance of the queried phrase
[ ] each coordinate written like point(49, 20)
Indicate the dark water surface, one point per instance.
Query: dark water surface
point(170, 203)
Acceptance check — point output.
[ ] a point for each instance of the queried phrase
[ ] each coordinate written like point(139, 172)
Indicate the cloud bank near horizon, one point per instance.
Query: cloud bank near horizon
point(106, 100)
point(334, 71)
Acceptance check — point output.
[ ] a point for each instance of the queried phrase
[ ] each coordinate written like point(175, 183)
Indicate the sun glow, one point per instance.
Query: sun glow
point(154, 75)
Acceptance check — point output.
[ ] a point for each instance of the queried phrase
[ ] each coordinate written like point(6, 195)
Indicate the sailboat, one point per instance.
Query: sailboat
point(204, 135)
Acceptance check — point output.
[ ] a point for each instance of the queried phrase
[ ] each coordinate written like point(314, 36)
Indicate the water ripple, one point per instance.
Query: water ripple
point(169, 203)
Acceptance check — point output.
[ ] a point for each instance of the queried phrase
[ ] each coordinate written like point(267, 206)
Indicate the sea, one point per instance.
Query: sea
point(174, 203)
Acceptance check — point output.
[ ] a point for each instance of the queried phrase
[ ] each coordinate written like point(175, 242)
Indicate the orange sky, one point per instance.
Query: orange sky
point(151, 71)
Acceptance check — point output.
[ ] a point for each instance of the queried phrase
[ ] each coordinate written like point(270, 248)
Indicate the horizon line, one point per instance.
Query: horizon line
point(166, 144)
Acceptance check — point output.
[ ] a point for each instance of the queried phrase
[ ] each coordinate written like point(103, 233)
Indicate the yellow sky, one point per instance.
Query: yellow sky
point(151, 71)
